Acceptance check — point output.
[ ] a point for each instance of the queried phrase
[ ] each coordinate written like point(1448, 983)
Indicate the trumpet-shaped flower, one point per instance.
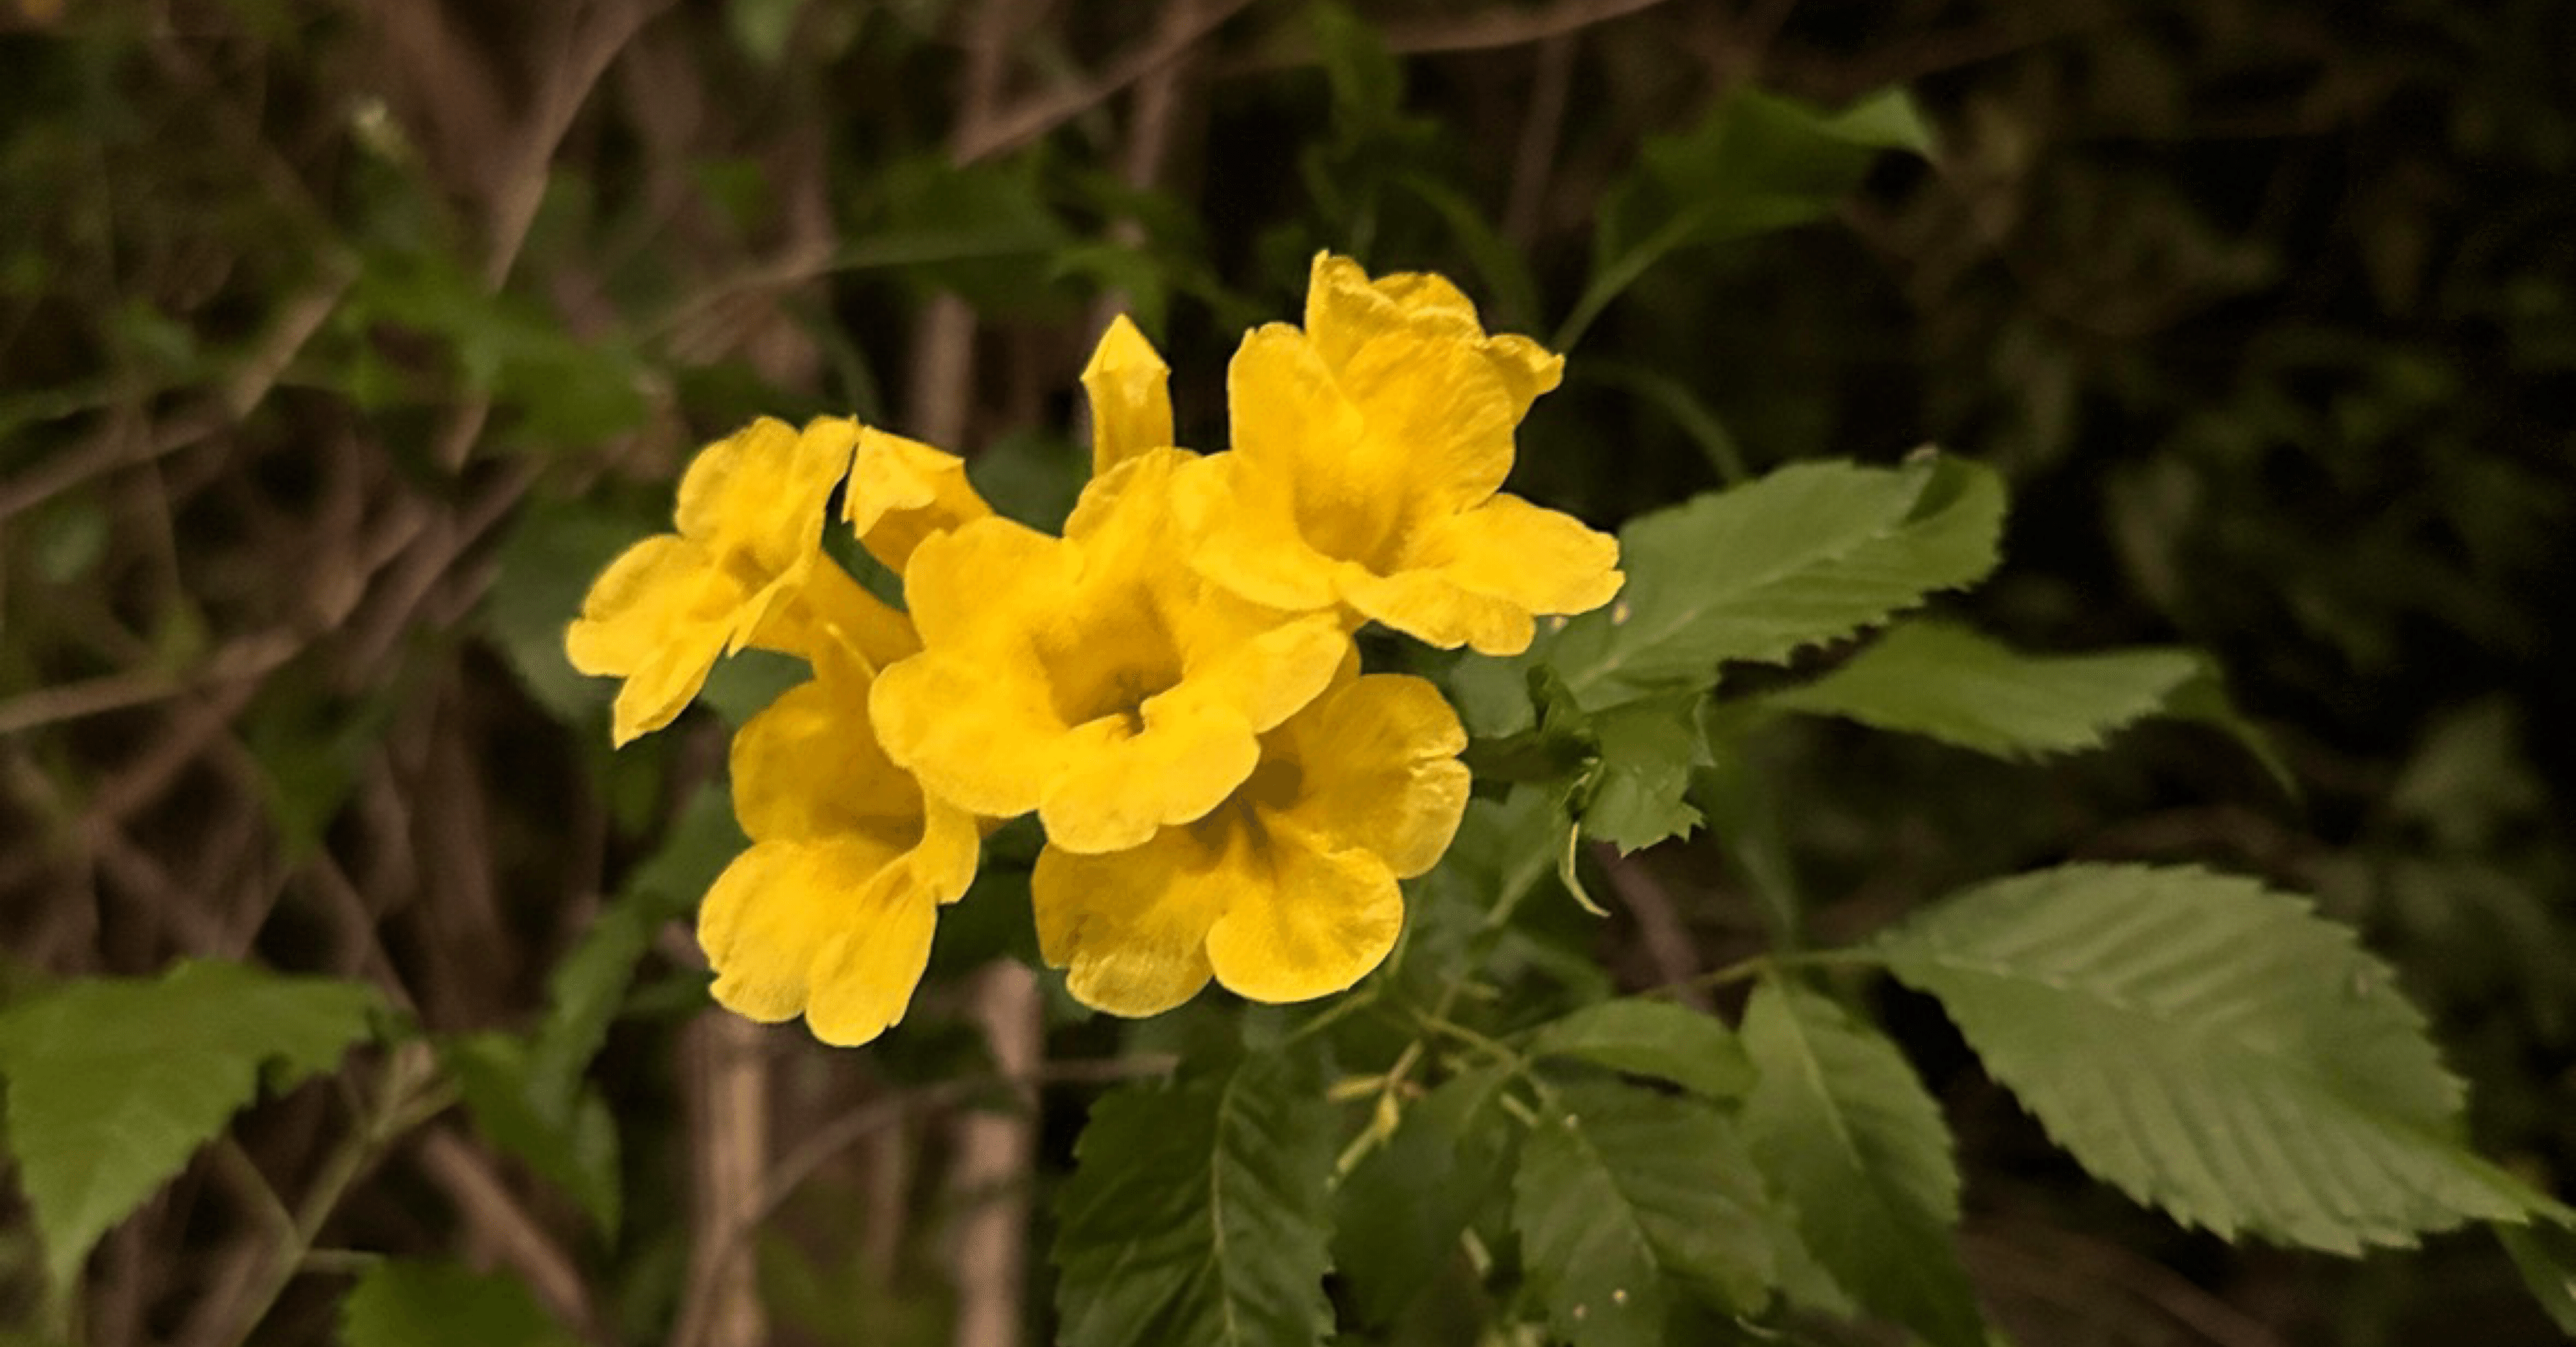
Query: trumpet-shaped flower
point(1286, 890)
point(1369, 453)
point(1094, 678)
point(829, 913)
point(749, 540)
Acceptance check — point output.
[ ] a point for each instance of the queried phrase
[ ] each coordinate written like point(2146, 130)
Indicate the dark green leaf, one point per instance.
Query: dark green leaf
point(1400, 1213)
point(586, 988)
point(1197, 1211)
point(1857, 1150)
point(414, 1303)
point(1810, 553)
point(1627, 1201)
point(2211, 1048)
point(546, 566)
point(1652, 1038)
point(2544, 1252)
point(1952, 684)
point(1758, 163)
point(114, 1083)
point(743, 685)
point(1640, 790)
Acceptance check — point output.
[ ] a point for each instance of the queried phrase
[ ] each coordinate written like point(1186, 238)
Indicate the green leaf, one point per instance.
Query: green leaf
point(742, 685)
point(1002, 206)
point(2205, 699)
point(1955, 685)
point(2211, 1048)
point(115, 1082)
point(1399, 1214)
point(1809, 553)
point(1758, 163)
point(546, 566)
point(1652, 1038)
point(1197, 1211)
point(2544, 1252)
point(586, 988)
point(1856, 1148)
point(1628, 1201)
point(570, 1143)
point(1640, 789)
point(404, 1302)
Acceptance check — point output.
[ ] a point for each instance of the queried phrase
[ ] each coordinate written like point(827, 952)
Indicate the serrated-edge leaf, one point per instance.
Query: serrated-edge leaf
point(1198, 1212)
point(115, 1082)
point(1640, 786)
point(1809, 553)
point(2210, 1048)
point(1856, 1147)
point(1652, 1038)
point(1626, 1198)
point(1959, 686)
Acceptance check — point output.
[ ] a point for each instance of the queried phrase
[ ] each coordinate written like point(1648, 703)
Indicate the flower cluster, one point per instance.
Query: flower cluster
point(1170, 685)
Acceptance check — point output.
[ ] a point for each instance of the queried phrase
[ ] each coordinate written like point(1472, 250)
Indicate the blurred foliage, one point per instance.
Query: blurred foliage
point(339, 343)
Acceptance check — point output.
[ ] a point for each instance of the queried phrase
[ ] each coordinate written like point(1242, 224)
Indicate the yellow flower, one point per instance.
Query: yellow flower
point(829, 913)
point(1369, 451)
point(738, 572)
point(1287, 890)
point(1094, 678)
point(902, 492)
point(1128, 387)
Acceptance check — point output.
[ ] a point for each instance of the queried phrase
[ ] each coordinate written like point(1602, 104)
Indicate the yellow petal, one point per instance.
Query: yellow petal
point(1129, 388)
point(975, 737)
point(760, 492)
point(651, 587)
point(829, 930)
point(1540, 560)
point(829, 612)
point(1118, 786)
point(1351, 495)
point(808, 766)
point(1377, 768)
point(658, 617)
point(1130, 927)
point(1345, 310)
point(1242, 531)
point(902, 492)
point(1302, 919)
point(1257, 665)
point(1438, 413)
point(943, 863)
point(958, 585)
point(1429, 606)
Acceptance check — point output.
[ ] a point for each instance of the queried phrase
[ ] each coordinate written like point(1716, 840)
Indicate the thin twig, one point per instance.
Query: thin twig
point(488, 1208)
point(1667, 938)
point(250, 657)
point(409, 1093)
point(1534, 159)
point(1041, 115)
point(1501, 27)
